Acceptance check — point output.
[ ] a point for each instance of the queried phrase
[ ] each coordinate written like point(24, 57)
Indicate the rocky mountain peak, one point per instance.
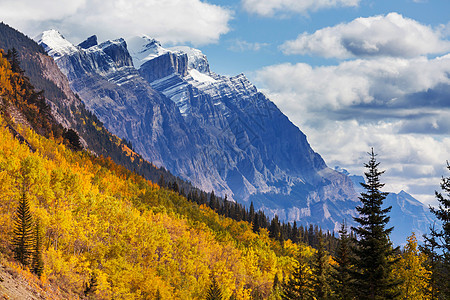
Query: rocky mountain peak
point(216, 131)
point(117, 51)
point(196, 59)
point(89, 42)
point(144, 48)
point(55, 44)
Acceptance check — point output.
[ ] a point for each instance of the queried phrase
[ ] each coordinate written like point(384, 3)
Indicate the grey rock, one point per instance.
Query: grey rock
point(218, 132)
point(89, 42)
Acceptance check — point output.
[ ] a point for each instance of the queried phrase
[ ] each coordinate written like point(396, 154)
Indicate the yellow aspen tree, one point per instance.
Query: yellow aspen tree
point(410, 269)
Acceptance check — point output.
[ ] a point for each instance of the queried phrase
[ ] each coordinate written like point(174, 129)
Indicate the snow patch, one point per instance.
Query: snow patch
point(201, 77)
point(143, 49)
point(55, 44)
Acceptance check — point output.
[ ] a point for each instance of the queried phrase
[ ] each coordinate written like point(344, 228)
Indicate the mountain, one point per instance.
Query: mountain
point(407, 214)
point(68, 110)
point(218, 132)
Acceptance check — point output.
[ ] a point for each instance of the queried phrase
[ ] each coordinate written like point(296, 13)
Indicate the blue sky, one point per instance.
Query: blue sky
point(236, 52)
point(351, 74)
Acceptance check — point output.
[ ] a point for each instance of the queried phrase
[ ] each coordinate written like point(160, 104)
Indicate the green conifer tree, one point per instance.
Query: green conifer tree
point(438, 243)
point(158, 295)
point(299, 284)
point(91, 286)
point(342, 272)
point(23, 231)
point(37, 264)
point(373, 249)
point(214, 292)
point(321, 271)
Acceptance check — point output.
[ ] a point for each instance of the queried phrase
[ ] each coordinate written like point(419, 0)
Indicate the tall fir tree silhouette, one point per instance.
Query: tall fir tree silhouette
point(437, 243)
point(374, 250)
point(214, 292)
point(298, 286)
point(37, 264)
point(342, 271)
point(23, 231)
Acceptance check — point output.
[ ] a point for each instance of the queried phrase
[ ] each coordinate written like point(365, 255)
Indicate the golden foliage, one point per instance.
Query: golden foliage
point(101, 220)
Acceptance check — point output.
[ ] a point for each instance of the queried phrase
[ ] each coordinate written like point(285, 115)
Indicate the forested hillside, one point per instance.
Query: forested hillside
point(76, 225)
point(108, 232)
point(52, 89)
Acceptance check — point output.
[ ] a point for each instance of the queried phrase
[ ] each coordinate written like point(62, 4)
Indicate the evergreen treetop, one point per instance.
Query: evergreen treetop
point(437, 243)
point(214, 292)
point(374, 250)
point(23, 231)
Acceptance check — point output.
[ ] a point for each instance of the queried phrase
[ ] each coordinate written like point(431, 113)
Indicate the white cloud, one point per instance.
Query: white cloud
point(270, 7)
point(356, 82)
point(390, 104)
point(171, 21)
point(242, 46)
point(391, 35)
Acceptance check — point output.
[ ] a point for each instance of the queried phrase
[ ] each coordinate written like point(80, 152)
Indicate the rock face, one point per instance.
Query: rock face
point(219, 132)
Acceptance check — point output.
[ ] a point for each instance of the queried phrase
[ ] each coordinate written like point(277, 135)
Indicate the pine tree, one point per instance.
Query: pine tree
point(342, 274)
point(321, 271)
point(13, 58)
point(433, 262)
point(37, 264)
point(158, 295)
point(274, 229)
point(295, 233)
point(214, 292)
point(213, 202)
point(373, 247)
point(91, 286)
point(439, 240)
point(23, 231)
point(299, 284)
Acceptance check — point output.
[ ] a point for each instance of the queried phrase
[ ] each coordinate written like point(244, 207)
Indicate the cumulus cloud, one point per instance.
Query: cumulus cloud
point(171, 21)
point(379, 83)
point(242, 46)
point(391, 35)
point(269, 8)
point(398, 106)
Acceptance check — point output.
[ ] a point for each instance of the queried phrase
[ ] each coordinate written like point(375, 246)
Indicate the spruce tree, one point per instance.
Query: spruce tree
point(91, 286)
point(321, 271)
point(299, 284)
point(214, 292)
point(374, 250)
point(37, 264)
point(23, 231)
point(342, 271)
point(158, 295)
point(439, 242)
point(433, 262)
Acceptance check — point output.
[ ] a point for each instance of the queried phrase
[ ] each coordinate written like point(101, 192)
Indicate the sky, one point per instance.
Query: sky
point(351, 74)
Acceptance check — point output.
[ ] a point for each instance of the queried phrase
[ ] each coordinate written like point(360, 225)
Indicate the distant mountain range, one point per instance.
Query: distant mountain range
point(218, 132)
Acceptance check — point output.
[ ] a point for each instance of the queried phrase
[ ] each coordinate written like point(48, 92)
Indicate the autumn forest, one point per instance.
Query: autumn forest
point(81, 226)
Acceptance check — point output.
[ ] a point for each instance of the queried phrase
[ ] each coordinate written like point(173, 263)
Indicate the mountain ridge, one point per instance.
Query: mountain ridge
point(229, 137)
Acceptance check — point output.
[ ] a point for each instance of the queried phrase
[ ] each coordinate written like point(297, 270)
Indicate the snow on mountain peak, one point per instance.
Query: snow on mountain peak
point(143, 48)
point(196, 59)
point(55, 44)
point(119, 42)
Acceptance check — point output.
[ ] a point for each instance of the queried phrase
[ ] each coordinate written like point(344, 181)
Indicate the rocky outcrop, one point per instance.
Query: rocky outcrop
point(89, 42)
point(164, 65)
